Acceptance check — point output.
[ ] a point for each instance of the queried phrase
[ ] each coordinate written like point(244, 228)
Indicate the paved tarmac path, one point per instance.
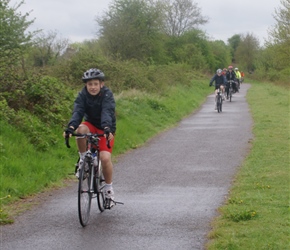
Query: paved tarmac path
point(171, 187)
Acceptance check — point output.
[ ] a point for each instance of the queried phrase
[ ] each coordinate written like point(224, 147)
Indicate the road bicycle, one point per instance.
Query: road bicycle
point(219, 101)
point(91, 179)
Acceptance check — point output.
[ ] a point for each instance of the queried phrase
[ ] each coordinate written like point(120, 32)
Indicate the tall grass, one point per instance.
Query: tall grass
point(256, 214)
point(25, 171)
point(140, 115)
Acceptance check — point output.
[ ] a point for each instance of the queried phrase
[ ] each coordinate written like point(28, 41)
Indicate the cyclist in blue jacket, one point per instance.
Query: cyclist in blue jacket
point(220, 82)
point(96, 105)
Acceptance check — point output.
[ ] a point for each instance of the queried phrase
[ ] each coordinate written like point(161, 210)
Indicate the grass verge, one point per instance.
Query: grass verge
point(256, 214)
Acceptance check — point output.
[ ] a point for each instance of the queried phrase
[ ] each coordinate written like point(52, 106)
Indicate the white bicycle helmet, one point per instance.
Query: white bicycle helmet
point(93, 74)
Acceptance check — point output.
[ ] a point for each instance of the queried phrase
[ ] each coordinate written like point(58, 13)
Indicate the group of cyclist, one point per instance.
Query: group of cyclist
point(223, 78)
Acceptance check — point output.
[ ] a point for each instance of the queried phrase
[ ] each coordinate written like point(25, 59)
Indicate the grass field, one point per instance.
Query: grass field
point(256, 214)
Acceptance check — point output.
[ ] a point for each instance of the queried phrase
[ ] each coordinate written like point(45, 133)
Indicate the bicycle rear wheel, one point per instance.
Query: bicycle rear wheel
point(84, 196)
point(100, 183)
point(218, 104)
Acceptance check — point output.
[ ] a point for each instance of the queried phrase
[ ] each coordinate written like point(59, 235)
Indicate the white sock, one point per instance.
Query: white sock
point(108, 186)
point(82, 155)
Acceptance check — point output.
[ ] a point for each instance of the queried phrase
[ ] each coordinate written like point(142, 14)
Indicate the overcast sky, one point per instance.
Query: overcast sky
point(75, 19)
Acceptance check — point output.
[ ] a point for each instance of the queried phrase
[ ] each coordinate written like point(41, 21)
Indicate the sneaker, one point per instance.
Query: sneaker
point(78, 169)
point(109, 196)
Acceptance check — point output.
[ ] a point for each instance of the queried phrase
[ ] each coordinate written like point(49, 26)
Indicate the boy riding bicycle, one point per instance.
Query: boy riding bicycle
point(220, 83)
point(95, 103)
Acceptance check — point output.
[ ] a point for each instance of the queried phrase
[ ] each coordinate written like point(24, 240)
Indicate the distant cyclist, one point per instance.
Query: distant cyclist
point(231, 76)
point(238, 76)
point(220, 83)
point(224, 72)
point(242, 76)
point(95, 103)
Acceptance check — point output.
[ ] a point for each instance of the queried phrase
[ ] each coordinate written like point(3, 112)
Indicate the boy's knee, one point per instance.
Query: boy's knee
point(105, 156)
point(82, 129)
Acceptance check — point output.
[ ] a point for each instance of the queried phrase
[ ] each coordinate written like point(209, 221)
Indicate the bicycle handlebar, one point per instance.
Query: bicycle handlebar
point(86, 135)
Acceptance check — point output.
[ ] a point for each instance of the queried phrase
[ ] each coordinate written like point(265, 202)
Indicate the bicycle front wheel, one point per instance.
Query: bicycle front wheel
point(84, 196)
point(219, 104)
point(100, 183)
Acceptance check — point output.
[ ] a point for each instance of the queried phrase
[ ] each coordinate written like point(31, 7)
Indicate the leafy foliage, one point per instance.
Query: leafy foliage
point(130, 29)
point(47, 48)
point(247, 51)
point(35, 106)
point(273, 62)
point(221, 54)
point(234, 42)
point(14, 36)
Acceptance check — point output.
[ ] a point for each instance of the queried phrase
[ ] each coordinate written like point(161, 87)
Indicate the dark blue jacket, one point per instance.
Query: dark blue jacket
point(219, 80)
point(231, 75)
point(99, 110)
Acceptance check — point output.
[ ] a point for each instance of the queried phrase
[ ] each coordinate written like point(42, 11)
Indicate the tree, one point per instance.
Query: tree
point(234, 42)
point(221, 54)
point(247, 51)
point(182, 16)
point(14, 37)
point(47, 48)
point(279, 35)
point(131, 28)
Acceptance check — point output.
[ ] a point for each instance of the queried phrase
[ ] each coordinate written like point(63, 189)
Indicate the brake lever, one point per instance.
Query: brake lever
point(67, 142)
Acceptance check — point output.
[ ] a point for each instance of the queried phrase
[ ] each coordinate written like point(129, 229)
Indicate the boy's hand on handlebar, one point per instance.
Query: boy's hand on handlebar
point(108, 133)
point(68, 132)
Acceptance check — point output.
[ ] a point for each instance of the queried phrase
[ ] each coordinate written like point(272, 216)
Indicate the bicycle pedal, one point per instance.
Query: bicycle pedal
point(107, 204)
point(118, 202)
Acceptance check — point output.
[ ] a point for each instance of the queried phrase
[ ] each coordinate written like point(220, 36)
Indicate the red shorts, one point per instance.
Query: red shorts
point(103, 140)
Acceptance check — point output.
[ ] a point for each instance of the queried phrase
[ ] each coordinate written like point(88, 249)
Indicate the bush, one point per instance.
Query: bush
point(49, 99)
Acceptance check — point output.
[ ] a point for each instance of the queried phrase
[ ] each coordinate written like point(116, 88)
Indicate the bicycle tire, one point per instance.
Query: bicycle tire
point(218, 102)
point(84, 196)
point(231, 94)
point(100, 182)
